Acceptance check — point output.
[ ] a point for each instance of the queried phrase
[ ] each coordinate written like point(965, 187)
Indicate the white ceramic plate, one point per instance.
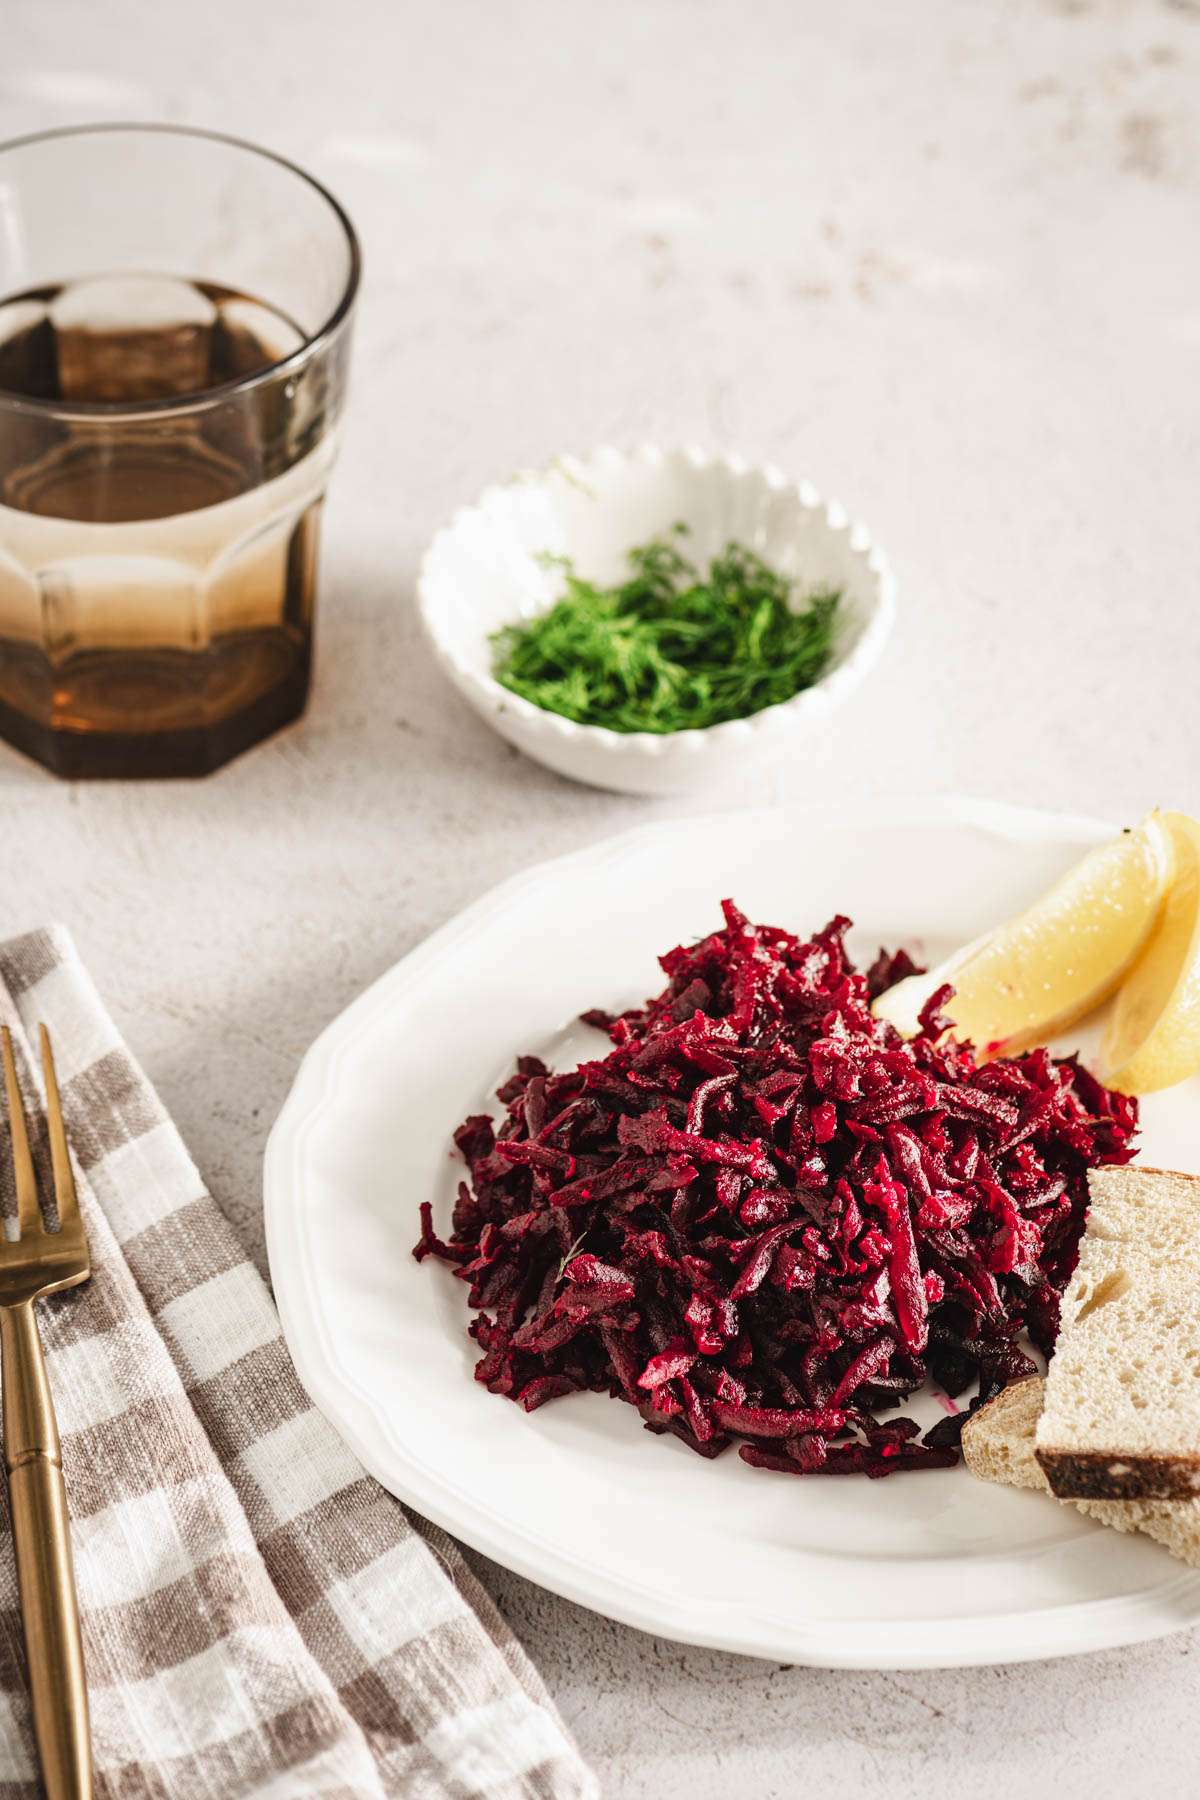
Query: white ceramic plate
point(922, 1570)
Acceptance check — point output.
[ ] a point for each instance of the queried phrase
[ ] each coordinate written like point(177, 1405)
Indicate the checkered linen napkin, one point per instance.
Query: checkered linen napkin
point(260, 1619)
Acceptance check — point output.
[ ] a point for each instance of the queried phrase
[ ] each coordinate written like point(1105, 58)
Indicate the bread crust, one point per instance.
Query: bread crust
point(1109, 1475)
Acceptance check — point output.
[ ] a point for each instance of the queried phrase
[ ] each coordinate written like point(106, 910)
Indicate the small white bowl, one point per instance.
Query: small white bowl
point(483, 571)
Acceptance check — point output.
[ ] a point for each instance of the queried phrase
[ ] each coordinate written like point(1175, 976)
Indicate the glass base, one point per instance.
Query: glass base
point(82, 755)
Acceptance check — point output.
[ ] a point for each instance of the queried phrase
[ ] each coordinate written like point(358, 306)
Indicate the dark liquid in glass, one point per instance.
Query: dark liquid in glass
point(157, 567)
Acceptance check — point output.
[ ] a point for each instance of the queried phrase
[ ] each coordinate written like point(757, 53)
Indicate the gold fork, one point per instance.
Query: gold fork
point(37, 1263)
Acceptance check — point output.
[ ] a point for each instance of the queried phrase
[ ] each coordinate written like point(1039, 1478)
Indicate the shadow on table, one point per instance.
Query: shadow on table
point(661, 1718)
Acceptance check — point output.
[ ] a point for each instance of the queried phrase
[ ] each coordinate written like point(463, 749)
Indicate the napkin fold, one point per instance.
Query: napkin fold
point(261, 1620)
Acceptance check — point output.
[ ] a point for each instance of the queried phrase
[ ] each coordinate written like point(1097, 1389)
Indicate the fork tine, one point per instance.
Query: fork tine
point(29, 1217)
point(60, 1156)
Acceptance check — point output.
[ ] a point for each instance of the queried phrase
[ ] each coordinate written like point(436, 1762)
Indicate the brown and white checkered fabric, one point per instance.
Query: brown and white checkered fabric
point(259, 1617)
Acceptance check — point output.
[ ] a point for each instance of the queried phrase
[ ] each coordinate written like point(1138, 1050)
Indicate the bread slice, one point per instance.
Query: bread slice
point(1121, 1418)
point(997, 1441)
point(998, 1446)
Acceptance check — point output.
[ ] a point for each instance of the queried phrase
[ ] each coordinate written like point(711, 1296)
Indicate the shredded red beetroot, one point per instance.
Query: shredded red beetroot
point(765, 1216)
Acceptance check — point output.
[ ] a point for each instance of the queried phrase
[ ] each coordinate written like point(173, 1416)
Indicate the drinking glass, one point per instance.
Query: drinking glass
point(175, 317)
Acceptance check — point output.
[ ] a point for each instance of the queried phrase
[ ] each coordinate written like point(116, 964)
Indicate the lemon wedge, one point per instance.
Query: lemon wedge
point(1153, 1035)
point(1037, 974)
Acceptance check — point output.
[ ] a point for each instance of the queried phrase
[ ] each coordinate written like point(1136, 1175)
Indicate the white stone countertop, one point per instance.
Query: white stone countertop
point(942, 257)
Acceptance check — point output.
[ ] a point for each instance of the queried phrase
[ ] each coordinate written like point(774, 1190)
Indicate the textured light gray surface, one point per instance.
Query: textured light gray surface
point(941, 257)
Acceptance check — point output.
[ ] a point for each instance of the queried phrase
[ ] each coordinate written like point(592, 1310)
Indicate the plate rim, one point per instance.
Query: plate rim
point(1021, 1636)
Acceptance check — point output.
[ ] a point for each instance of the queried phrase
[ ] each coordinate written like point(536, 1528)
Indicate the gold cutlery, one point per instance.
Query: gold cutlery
point(39, 1262)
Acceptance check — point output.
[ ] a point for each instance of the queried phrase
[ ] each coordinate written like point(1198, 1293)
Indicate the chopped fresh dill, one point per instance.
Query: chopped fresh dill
point(667, 650)
point(571, 1254)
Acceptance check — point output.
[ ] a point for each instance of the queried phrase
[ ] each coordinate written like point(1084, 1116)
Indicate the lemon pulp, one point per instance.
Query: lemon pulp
point(1037, 974)
point(1153, 1035)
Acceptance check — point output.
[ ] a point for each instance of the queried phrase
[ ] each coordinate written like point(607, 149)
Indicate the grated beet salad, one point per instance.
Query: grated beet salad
point(764, 1216)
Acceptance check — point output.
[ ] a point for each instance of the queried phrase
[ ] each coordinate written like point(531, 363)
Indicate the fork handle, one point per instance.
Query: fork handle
point(42, 1545)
